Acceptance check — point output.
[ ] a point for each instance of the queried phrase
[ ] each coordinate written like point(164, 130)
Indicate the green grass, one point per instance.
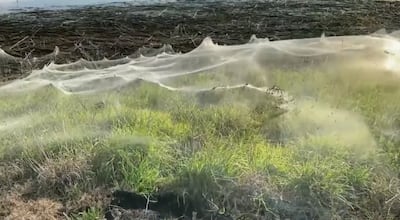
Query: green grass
point(236, 155)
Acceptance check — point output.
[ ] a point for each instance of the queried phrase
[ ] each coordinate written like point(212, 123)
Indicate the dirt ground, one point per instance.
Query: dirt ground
point(121, 29)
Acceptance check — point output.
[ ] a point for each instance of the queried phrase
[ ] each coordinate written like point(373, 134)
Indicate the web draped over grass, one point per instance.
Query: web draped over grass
point(303, 128)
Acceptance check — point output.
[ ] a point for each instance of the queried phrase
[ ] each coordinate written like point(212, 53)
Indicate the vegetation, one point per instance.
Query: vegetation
point(226, 157)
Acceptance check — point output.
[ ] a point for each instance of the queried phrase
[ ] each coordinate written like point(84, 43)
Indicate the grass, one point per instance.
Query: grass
point(237, 155)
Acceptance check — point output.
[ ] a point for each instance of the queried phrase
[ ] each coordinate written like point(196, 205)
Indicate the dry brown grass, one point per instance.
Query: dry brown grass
point(57, 176)
point(9, 173)
point(13, 206)
point(61, 179)
point(99, 198)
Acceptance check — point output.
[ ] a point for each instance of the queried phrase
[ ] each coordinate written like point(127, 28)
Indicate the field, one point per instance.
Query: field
point(303, 129)
point(145, 151)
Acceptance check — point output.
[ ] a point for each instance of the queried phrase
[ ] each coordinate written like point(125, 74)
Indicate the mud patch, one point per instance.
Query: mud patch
point(167, 203)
